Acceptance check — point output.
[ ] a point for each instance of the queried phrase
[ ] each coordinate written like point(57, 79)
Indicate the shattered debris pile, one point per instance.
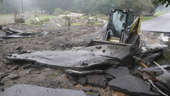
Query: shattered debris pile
point(114, 66)
point(69, 65)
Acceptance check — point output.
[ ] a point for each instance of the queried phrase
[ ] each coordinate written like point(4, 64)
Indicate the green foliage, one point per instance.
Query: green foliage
point(58, 11)
point(103, 6)
point(43, 19)
point(138, 5)
point(94, 6)
point(85, 6)
point(155, 15)
point(67, 12)
point(163, 2)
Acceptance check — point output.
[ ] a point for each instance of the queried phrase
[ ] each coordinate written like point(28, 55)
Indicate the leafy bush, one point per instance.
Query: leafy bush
point(58, 11)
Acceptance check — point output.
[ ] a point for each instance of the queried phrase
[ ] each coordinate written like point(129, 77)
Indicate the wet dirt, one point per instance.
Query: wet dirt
point(59, 39)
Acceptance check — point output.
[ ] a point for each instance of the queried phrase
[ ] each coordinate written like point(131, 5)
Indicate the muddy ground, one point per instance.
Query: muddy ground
point(60, 39)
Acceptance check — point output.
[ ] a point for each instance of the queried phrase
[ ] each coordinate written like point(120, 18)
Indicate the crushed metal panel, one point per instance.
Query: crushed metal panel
point(78, 58)
point(31, 90)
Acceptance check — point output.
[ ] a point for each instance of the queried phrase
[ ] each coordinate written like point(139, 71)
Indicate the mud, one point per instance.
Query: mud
point(59, 39)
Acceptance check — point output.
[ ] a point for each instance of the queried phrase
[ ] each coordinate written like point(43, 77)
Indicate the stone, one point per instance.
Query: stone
point(97, 80)
point(118, 72)
point(13, 76)
point(32, 90)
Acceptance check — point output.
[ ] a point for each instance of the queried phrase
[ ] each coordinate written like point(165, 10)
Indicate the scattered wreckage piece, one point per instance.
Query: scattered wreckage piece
point(131, 85)
point(164, 78)
point(32, 90)
point(7, 33)
point(153, 40)
point(125, 82)
point(159, 81)
point(98, 79)
point(118, 79)
point(76, 58)
point(154, 69)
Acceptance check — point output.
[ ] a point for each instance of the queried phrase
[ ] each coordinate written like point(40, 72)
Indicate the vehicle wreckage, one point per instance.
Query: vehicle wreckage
point(120, 60)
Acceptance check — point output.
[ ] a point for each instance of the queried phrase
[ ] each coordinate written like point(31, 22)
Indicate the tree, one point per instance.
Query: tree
point(139, 6)
point(58, 11)
point(163, 2)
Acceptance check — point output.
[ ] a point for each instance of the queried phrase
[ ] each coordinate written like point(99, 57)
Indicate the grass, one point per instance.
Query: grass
point(43, 18)
point(76, 24)
point(145, 18)
point(6, 18)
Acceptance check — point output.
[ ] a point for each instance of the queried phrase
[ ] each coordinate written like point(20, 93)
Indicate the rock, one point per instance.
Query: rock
point(31, 90)
point(97, 80)
point(14, 68)
point(100, 80)
point(24, 72)
point(19, 20)
point(13, 76)
point(118, 72)
point(83, 80)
